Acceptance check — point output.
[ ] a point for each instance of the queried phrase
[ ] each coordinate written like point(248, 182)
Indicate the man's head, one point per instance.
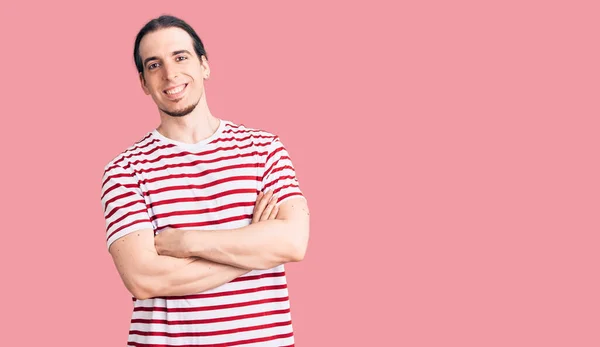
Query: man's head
point(171, 62)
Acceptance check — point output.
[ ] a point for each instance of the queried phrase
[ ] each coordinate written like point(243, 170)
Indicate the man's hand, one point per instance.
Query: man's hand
point(172, 242)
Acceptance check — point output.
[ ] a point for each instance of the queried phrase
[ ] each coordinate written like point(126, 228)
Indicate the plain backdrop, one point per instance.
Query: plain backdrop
point(448, 151)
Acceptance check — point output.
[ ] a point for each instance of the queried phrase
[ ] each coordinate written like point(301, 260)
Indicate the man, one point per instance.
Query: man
point(201, 214)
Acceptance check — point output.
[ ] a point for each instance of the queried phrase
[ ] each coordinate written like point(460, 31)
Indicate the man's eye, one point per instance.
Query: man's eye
point(152, 66)
point(182, 58)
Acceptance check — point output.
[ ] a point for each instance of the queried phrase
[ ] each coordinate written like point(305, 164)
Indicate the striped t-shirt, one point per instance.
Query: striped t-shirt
point(210, 185)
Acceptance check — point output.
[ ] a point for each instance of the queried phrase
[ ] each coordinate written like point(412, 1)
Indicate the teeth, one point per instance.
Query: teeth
point(176, 90)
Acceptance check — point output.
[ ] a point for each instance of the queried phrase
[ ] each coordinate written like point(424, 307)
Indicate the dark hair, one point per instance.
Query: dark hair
point(162, 22)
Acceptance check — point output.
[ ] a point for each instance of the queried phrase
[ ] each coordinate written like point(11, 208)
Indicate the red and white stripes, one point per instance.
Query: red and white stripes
point(158, 183)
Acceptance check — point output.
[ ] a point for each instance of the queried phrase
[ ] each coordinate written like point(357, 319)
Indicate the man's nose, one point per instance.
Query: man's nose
point(170, 71)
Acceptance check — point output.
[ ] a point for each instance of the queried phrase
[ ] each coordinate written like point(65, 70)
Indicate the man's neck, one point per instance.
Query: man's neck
point(191, 128)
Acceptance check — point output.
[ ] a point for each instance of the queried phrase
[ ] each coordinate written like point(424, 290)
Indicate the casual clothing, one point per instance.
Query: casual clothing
point(209, 185)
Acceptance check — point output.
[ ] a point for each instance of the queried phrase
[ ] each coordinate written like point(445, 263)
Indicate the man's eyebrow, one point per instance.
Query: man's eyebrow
point(181, 51)
point(174, 53)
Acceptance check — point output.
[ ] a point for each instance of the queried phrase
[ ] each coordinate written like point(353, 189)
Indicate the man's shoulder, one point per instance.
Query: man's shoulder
point(122, 160)
point(243, 130)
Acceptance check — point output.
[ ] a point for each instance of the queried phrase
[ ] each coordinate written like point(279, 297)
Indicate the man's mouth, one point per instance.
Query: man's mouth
point(175, 92)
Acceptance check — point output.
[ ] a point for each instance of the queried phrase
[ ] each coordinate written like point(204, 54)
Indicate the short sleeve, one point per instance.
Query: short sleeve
point(279, 174)
point(125, 209)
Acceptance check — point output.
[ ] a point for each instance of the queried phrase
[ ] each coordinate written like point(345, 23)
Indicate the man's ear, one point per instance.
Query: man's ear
point(206, 68)
point(143, 83)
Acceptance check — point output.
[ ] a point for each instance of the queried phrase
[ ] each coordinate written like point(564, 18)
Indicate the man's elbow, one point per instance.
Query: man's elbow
point(142, 289)
point(141, 294)
point(291, 253)
point(299, 247)
point(296, 257)
point(298, 253)
point(296, 215)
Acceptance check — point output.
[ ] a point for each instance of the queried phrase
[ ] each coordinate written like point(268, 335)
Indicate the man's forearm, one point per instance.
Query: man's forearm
point(261, 245)
point(168, 276)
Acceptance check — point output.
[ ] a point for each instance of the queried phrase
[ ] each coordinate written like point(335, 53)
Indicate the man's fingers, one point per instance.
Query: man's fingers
point(256, 214)
point(274, 213)
point(261, 203)
point(267, 212)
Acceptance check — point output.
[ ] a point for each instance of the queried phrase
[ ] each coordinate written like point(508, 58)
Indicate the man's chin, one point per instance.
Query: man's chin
point(180, 112)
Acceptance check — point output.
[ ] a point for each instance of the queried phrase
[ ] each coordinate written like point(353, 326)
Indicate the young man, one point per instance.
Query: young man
point(201, 214)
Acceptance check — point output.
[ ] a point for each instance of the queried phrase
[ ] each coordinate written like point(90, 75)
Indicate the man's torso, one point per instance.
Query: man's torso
point(211, 185)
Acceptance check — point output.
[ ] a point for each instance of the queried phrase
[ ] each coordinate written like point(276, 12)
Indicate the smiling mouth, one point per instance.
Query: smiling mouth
point(176, 92)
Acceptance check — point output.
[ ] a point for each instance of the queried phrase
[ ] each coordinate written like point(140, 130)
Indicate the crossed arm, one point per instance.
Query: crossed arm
point(182, 262)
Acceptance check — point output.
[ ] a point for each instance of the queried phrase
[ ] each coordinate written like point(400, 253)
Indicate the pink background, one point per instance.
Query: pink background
point(449, 152)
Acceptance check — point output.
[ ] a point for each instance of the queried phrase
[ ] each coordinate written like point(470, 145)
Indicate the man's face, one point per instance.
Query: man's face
point(173, 73)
